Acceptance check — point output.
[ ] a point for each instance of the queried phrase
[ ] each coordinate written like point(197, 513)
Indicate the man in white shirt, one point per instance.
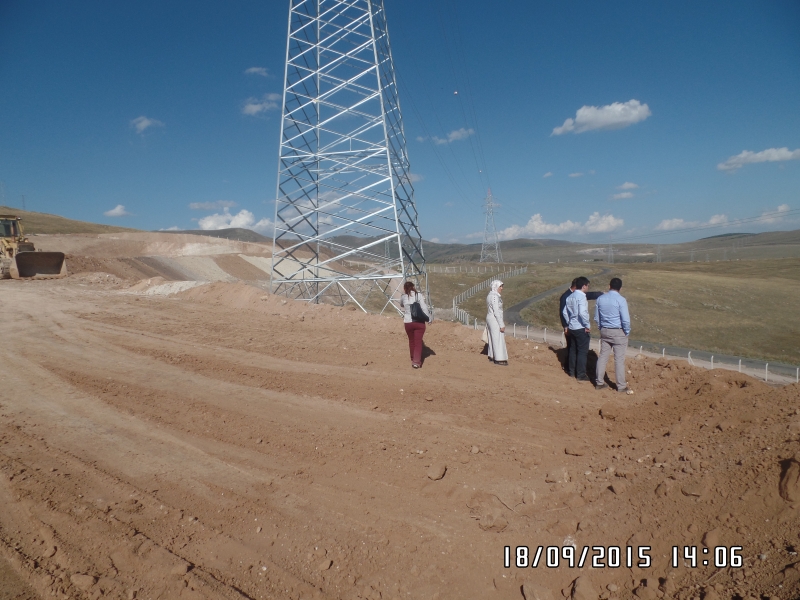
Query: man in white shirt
point(576, 313)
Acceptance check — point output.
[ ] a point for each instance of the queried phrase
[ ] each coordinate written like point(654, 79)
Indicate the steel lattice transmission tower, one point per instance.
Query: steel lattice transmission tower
point(490, 251)
point(346, 224)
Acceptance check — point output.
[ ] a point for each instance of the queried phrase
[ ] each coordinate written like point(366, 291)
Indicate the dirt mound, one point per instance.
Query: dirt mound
point(103, 279)
point(239, 268)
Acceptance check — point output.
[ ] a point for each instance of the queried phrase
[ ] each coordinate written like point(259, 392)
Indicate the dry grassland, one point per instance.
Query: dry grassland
point(538, 279)
point(744, 308)
point(42, 223)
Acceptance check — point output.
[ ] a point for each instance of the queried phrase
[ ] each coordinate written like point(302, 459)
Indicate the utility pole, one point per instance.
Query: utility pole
point(490, 251)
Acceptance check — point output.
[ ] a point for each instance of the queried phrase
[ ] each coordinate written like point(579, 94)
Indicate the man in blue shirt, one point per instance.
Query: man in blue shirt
point(614, 321)
point(576, 313)
point(562, 303)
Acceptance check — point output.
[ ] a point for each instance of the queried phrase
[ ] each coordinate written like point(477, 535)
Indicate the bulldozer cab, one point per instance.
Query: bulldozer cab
point(9, 227)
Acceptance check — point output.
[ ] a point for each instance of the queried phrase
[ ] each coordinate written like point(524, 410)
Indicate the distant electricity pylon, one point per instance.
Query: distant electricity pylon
point(490, 251)
point(346, 224)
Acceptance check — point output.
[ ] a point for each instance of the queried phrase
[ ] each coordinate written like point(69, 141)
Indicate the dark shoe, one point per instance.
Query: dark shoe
point(601, 386)
point(415, 365)
point(582, 379)
point(626, 390)
point(502, 363)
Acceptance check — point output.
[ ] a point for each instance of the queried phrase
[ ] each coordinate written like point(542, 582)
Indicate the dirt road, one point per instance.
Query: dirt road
point(225, 444)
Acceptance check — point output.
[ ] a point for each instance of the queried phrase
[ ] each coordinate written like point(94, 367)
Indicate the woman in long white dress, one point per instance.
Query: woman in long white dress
point(494, 323)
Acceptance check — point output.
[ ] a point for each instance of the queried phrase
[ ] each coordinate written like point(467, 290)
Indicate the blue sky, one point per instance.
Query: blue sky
point(155, 115)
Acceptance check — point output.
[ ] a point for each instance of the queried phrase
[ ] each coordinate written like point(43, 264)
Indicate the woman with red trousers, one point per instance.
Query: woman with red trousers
point(414, 330)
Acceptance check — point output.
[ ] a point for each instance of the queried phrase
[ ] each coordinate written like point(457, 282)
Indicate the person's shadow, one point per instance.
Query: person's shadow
point(426, 352)
point(562, 354)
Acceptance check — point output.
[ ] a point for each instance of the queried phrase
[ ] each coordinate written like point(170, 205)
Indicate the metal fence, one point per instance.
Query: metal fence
point(769, 372)
point(479, 287)
point(465, 268)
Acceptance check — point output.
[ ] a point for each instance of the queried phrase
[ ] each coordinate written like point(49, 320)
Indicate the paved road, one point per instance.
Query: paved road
point(511, 314)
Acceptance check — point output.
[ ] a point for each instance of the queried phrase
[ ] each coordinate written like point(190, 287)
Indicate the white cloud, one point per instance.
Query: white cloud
point(575, 175)
point(769, 155)
point(414, 177)
point(774, 215)
point(548, 174)
point(454, 136)
point(673, 224)
point(627, 186)
point(255, 106)
point(611, 116)
point(216, 205)
point(117, 211)
point(173, 228)
point(718, 220)
point(537, 226)
point(421, 138)
point(142, 123)
point(244, 219)
point(257, 71)
point(622, 195)
point(436, 240)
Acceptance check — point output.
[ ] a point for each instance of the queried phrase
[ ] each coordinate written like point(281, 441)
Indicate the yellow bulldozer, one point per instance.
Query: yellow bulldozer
point(19, 258)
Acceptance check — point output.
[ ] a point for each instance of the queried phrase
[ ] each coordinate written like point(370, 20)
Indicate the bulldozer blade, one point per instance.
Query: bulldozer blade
point(39, 265)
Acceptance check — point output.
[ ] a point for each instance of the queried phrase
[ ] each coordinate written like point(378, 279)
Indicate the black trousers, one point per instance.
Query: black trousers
point(578, 352)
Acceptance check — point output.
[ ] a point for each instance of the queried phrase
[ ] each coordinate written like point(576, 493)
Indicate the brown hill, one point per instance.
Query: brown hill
point(36, 222)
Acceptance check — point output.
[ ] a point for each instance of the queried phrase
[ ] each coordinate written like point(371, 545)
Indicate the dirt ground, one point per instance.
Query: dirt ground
point(225, 443)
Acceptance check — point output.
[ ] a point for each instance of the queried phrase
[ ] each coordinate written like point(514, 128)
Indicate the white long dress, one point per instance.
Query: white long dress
point(494, 321)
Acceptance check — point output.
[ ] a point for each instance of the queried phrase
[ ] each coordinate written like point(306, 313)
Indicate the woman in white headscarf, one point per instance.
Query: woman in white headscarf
point(494, 323)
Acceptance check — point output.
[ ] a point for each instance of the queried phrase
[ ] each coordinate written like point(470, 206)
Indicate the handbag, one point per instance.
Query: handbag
point(417, 314)
point(485, 336)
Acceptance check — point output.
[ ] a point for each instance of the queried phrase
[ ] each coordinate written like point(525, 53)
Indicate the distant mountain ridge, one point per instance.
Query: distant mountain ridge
point(726, 246)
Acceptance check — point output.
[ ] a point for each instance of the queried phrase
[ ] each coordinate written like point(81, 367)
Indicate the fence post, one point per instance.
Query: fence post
point(691, 362)
point(712, 362)
point(663, 352)
point(545, 335)
point(528, 332)
point(797, 376)
point(766, 371)
point(740, 365)
point(515, 331)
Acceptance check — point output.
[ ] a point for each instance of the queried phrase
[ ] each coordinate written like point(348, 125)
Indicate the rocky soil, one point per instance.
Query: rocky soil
point(225, 443)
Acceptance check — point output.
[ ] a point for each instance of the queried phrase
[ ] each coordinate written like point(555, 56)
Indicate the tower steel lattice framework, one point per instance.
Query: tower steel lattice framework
point(346, 225)
point(490, 250)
